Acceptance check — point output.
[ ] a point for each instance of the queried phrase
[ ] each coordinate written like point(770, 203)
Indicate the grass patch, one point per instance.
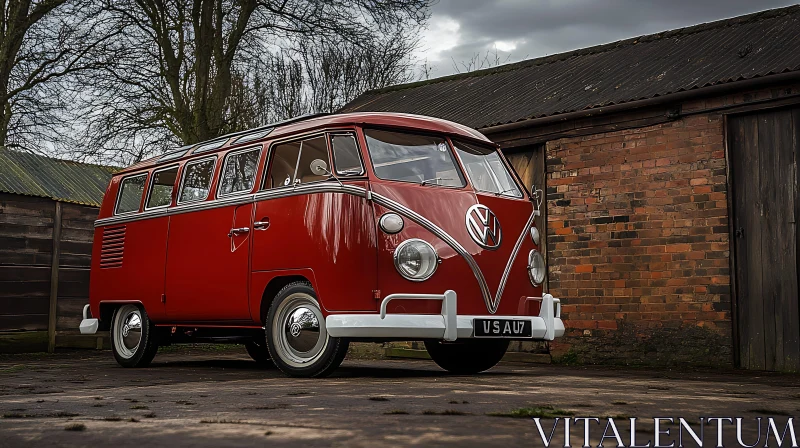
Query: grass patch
point(769, 412)
point(445, 412)
point(569, 358)
point(75, 427)
point(184, 402)
point(133, 420)
point(378, 399)
point(299, 392)
point(396, 412)
point(659, 387)
point(139, 406)
point(538, 411)
point(112, 419)
point(268, 433)
point(150, 415)
point(98, 405)
point(619, 402)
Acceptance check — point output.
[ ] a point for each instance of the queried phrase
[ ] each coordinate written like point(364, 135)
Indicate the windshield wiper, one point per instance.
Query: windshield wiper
point(435, 179)
point(506, 191)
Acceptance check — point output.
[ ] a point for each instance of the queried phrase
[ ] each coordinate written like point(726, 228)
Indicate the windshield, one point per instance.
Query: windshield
point(486, 170)
point(415, 158)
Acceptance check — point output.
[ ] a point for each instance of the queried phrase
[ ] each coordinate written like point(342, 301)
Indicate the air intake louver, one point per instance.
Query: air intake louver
point(113, 247)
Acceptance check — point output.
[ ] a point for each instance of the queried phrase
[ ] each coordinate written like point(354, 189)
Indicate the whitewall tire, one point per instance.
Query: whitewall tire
point(133, 336)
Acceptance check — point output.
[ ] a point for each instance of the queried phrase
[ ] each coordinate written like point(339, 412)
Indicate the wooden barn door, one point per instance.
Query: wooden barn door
point(763, 160)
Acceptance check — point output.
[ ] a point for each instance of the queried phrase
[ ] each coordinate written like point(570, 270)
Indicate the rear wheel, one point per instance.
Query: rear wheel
point(469, 356)
point(133, 336)
point(298, 341)
point(257, 349)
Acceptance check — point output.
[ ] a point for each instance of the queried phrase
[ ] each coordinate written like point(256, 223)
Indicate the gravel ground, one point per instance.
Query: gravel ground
point(217, 397)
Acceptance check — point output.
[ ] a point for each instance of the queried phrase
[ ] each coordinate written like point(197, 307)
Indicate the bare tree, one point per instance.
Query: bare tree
point(490, 59)
point(41, 42)
point(190, 70)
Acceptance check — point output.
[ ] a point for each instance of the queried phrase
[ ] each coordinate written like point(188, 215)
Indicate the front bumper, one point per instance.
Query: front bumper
point(448, 325)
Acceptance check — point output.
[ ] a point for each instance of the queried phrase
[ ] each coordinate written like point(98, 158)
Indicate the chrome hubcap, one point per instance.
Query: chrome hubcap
point(299, 330)
point(302, 329)
point(132, 331)
point(127, 331)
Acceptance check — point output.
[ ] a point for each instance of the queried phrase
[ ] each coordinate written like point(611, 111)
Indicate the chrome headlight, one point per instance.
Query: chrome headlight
point(536, 268)
point(415, 260)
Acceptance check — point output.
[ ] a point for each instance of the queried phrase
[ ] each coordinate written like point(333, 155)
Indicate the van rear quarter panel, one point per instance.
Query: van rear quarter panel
point(140, 278)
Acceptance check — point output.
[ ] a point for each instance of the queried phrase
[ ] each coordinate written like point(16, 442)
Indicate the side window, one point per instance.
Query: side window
point(291, 163)
point(345, 155)
point(196, 180)
point(239, 172)
point(130, 194)
point(161, 188)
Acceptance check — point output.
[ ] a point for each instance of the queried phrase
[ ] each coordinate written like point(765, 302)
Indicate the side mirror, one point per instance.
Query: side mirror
point(320, 168)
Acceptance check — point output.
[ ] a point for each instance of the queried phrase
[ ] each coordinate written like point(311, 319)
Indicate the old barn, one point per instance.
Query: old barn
point(47, 212)
point(670, 166)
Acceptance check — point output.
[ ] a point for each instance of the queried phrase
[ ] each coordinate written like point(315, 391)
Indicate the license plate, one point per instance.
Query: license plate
point(502, 328)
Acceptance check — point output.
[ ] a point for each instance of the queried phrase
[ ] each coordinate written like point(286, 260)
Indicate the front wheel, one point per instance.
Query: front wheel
point(133, 337)
point(469, 356)
point(298, 341)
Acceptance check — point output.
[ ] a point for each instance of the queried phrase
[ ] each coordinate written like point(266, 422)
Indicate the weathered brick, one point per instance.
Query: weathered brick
point(648, 244)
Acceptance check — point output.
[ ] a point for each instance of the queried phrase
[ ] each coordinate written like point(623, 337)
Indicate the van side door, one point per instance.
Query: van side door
point(209, 241)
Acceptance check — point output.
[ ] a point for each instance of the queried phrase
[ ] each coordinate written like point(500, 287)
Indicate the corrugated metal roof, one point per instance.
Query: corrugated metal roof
point(745, 47)
point(62, 180)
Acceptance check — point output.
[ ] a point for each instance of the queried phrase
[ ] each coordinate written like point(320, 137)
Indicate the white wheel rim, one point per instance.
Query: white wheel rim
point(127, 331)
point(299, 330)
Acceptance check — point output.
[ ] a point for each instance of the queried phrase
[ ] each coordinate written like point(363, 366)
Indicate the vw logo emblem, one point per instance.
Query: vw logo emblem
point(125, 330)
point(484, 227)
point(295, 329)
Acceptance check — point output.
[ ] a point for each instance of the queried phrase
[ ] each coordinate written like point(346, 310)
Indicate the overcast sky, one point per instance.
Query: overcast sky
point(525, 29)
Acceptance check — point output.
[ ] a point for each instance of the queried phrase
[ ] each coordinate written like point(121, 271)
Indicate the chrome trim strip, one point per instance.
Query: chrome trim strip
point(176, 210)
point(330, 187)
point(511, 258)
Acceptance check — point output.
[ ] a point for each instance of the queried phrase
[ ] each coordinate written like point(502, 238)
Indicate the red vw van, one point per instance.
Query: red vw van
point(298, 237)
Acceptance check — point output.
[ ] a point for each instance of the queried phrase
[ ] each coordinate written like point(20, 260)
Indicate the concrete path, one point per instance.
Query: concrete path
point(194, 397)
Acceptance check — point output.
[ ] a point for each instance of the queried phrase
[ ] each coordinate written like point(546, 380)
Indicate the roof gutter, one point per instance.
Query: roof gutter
point(718, 89)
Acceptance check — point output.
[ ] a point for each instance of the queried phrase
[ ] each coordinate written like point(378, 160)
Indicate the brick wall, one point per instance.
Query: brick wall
point(638, 243)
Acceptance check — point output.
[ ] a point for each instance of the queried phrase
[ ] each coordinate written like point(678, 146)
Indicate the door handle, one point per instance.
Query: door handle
point(261, 225)
point(238, 231)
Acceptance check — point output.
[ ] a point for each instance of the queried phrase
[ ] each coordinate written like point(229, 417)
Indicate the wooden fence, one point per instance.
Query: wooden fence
point(45, 254)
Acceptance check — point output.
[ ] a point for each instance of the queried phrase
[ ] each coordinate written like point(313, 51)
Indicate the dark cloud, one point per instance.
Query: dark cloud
point(460, 29)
